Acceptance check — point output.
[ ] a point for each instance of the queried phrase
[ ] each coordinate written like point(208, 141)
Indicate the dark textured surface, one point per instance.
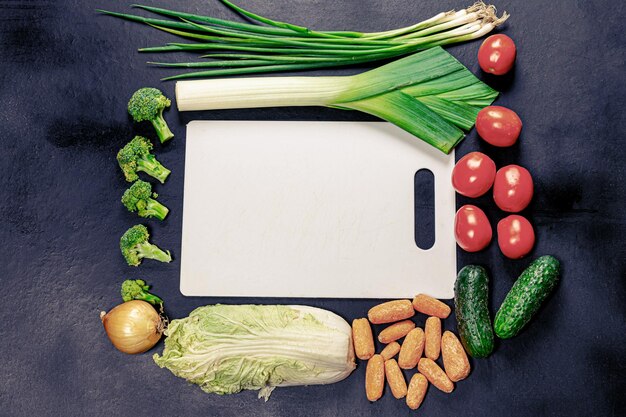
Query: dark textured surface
point(65, 76)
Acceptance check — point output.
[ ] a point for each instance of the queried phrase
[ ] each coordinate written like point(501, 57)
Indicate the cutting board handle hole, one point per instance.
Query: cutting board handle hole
point(424, 208)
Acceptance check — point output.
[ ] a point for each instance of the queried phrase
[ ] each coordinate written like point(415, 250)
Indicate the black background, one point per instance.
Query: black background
point(66, 74)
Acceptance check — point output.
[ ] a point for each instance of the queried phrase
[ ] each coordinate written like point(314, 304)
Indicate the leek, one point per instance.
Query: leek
point(429, 94)
point(265, 45)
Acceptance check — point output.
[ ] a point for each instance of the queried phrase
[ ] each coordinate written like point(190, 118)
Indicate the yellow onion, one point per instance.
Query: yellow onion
point(133, 327)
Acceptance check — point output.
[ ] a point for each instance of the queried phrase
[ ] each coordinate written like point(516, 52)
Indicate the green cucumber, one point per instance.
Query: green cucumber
point(472, 313)
point(526, 296)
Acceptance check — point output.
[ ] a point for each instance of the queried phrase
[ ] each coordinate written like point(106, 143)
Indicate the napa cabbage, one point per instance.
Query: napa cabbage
point(228, 348)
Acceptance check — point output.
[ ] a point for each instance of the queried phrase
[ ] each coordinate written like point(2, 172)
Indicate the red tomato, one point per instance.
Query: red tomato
point(472, 230)
point(516, 236)
point(498, 126)
point(473, 175)
point(497, 54)
point(513, 188)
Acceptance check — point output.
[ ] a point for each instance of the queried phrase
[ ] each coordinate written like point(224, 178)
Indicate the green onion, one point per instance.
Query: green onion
point(429, 94)
point(267, 45)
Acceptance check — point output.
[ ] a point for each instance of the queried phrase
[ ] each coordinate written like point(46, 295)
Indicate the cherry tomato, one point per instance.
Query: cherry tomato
point(516, 236)
point(496, 55)
point(472, 230)
point(473, 175)
point(513, 188)
point(498, 126)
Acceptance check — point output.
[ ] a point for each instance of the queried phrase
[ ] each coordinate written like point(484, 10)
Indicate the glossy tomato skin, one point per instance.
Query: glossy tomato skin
point(496, 55)
point(473, 175)
point(472, 230)
point(516, 236)
point(513, 188)
point(498, 126)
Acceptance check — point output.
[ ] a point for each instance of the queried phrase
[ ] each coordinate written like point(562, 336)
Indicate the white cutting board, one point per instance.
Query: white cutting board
point(311, 209)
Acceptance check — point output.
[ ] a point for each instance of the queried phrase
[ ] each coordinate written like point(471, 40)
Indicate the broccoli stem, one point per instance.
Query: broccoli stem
point(152, 167)
point(162, 129)
point(150, 298)
point(150, 251)
point(154, 209)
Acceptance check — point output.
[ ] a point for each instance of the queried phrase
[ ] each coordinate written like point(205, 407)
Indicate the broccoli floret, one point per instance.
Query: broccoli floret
point(136, 156)
point(140, 198)
point(136, 289)
point(148, 104)
point(135, 246)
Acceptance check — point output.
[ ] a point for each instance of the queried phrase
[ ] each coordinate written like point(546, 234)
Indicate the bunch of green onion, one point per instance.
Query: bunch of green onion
point(270, 46)
point(429, 94)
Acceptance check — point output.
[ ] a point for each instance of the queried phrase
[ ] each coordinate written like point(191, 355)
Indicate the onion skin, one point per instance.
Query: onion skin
point(133, 327)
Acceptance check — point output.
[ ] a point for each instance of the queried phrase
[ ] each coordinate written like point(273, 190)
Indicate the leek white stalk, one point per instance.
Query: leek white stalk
point(240, 93)
point(429, 94)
